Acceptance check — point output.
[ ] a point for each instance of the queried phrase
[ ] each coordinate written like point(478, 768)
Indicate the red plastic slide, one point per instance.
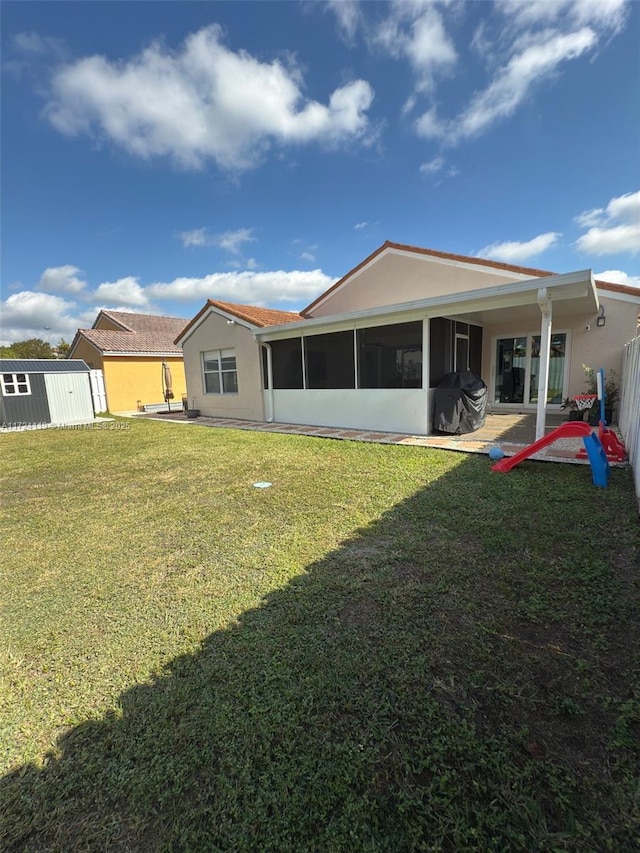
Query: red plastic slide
point(572, 429)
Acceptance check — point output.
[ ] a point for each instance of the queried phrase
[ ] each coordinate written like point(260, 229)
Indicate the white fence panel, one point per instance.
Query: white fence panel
point(629, 408)
point(98, 391)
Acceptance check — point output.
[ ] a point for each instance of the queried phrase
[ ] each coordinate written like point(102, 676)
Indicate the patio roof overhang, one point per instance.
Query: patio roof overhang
point(570, 294)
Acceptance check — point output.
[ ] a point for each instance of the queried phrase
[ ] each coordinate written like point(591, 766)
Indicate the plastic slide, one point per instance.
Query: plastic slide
point(571, 429)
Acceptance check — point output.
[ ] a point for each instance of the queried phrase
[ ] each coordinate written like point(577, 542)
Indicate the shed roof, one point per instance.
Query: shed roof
point(42, 365)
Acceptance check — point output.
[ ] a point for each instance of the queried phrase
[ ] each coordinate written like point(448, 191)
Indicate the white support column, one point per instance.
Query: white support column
point(271, 414)
point(426, 367)
point(426, 355)
point(544, 301)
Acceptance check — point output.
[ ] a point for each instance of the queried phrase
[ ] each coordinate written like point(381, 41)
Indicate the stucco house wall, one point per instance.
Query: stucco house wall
point(214, 333)
point(89, 354)
point(133, 381)
point(597, 346)
point(395, 277)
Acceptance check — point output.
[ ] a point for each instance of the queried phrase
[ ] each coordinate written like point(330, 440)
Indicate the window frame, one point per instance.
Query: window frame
point(218, 355)
point(15, 384)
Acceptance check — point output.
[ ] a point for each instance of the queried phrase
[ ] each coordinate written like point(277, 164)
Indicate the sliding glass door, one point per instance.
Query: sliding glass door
point(518, 369)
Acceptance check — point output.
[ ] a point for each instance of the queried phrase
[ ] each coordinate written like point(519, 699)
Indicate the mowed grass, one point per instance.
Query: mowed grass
point(391, 649)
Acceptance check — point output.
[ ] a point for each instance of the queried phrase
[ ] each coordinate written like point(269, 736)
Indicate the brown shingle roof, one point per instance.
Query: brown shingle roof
point(166, 327)
point(467, 259)
point(108, 341)
point(259, 317)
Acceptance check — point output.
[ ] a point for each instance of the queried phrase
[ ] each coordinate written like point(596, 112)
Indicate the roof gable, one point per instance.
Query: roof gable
point(137, 333)
point(250, 315)
point(466, 265)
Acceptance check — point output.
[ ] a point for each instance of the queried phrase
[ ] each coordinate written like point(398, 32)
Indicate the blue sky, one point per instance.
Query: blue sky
point(156, 154)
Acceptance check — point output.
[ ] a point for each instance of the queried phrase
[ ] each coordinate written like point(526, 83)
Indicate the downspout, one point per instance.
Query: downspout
point(544, 301)
point(271, 417)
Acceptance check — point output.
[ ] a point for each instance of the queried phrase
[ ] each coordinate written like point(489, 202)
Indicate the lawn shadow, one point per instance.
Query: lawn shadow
point(420, 688)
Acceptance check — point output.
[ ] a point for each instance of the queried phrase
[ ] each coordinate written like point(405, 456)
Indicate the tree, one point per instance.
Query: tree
point(33, 348)
point(63, 348)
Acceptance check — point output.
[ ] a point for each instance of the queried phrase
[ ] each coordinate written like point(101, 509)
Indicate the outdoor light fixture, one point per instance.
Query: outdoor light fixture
point(601, 318)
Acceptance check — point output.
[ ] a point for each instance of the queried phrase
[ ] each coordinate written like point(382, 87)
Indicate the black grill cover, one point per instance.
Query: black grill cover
point(460, 403)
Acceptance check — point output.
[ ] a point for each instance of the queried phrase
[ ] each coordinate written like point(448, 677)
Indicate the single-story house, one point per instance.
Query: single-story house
point(44, 392)
point(131, 350)
point(370, 351)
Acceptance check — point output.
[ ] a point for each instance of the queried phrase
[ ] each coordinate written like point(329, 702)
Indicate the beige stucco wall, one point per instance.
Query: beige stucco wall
point(394, 278)
point(599, 346)
point(89, 354)
point(108, 325)
point(215, 333)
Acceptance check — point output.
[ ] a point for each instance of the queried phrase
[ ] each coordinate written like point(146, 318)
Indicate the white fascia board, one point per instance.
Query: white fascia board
point(213, 310)
point(514, 294)
point(615, 294)
point(113, 354)
point(464, 265)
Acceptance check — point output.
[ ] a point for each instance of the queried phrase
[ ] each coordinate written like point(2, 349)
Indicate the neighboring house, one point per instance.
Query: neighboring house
point(44, 392)
point(370, 351)
point(130, 349)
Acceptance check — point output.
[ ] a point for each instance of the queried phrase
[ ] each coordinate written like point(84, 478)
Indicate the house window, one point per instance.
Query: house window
point(390, 356)
point(15, 384)
point(220, 374)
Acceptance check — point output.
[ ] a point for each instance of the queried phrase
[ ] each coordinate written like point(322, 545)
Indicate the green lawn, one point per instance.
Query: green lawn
point(391, 649)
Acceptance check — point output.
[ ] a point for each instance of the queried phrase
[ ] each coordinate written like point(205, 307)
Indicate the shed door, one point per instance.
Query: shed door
point(69, 397)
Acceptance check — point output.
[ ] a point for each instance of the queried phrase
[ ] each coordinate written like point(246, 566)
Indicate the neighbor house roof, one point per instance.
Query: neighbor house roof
point(532, 272)
point(141, 334)
point(258, 317)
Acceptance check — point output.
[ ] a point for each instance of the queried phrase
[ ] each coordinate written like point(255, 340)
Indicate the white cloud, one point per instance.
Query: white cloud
point(416, 32)
point(125, 291)
point(231, 241)
point(522, 45)
point(360, 225)
point(432, 166)
point(307, 256)
point(200, 102)
point(196, 237)
point(513, 82)
point(256, 288)
point(615, 228)
point(608, 241)
point(430, 126)
point(37, 315)
point(62, 279)
point(618, 277)
point(34, 44)
point(513, 252)
point(607, 14)
point(348, 16)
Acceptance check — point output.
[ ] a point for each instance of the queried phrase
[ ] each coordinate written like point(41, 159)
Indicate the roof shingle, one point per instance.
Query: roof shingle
point(259, 317)
point(107, 341)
